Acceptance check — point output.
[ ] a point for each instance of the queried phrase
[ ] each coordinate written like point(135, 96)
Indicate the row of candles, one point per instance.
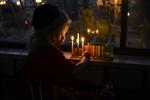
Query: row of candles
point(78, 43)
point(94, 50)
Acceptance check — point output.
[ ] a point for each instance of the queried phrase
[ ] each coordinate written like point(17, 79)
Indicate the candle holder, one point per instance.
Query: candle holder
point(96, 51)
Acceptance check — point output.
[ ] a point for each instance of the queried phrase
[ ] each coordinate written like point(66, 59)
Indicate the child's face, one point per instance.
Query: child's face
point(61, 37)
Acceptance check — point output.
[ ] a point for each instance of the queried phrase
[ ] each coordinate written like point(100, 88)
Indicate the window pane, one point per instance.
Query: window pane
point(138, 34)
point(115, 15)
point(14, 22)
point(97, 20)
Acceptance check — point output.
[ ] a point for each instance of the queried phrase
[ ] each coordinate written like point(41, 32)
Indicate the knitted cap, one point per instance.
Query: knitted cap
point(44, 15)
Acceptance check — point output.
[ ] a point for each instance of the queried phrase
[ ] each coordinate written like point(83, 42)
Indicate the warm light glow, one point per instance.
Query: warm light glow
point(77, 39)
point(38, 1)
point(128, 14)
point(93, 32)
point(2, 2)
point(115, 1)
point(78, 36)
point(72, 45)
point(82, 39)
point(88, 30)
point(72, 38)
point(97, 31)
point(18, 3)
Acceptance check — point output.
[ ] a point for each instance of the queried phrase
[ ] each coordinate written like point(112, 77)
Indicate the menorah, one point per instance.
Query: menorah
point(96, 51)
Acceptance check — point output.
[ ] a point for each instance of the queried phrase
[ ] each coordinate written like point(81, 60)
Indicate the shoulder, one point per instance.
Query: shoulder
point(45, 54)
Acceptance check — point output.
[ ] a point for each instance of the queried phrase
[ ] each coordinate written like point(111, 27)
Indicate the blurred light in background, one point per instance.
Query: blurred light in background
point(38, 1)
point(2, 2)
point(18, 3)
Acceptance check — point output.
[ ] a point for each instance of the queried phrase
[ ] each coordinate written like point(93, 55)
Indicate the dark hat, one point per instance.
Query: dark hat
point(44, 15)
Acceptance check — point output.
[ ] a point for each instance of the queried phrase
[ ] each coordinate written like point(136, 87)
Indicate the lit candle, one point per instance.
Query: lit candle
point(96, 31)
point(82, 40)
point(77, 40)
point(38, 1)
point(88, 30)
point(18, 3)
point(72, 44)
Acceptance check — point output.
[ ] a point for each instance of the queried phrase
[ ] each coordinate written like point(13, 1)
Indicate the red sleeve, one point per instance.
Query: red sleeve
point(57, 67)
point(62, 65)
point(49, 65)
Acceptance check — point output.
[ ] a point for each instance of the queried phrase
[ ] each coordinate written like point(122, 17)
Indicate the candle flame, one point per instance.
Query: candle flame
point(38, 1)
point(82, 39)
point(2, 2)
point(72, 38)
point(115, 1)
point(97, 31)
point(88, 30)
point(128, 13)
point(77, 39)
point(18, 3)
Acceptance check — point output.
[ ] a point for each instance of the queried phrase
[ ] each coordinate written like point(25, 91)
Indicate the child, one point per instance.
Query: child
point(45, 60)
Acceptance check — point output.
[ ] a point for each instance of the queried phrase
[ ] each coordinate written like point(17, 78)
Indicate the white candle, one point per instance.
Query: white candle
point(78, 40)
point(72, 44)
point(82, 40)
point(97, 31)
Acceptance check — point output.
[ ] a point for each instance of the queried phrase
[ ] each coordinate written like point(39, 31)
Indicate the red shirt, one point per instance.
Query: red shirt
point(45, 64)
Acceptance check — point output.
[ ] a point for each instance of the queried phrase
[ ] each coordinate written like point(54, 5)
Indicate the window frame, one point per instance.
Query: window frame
point(123, 49)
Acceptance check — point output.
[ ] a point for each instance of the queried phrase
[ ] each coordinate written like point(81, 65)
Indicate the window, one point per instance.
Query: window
point(121, 23)
point(15, 23)
point(138, 33)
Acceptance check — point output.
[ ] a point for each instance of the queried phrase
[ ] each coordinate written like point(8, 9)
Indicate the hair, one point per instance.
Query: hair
point(41, 37)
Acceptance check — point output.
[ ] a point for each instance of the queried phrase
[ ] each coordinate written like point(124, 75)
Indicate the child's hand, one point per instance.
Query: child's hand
point(85, 59)
point(86, 56)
